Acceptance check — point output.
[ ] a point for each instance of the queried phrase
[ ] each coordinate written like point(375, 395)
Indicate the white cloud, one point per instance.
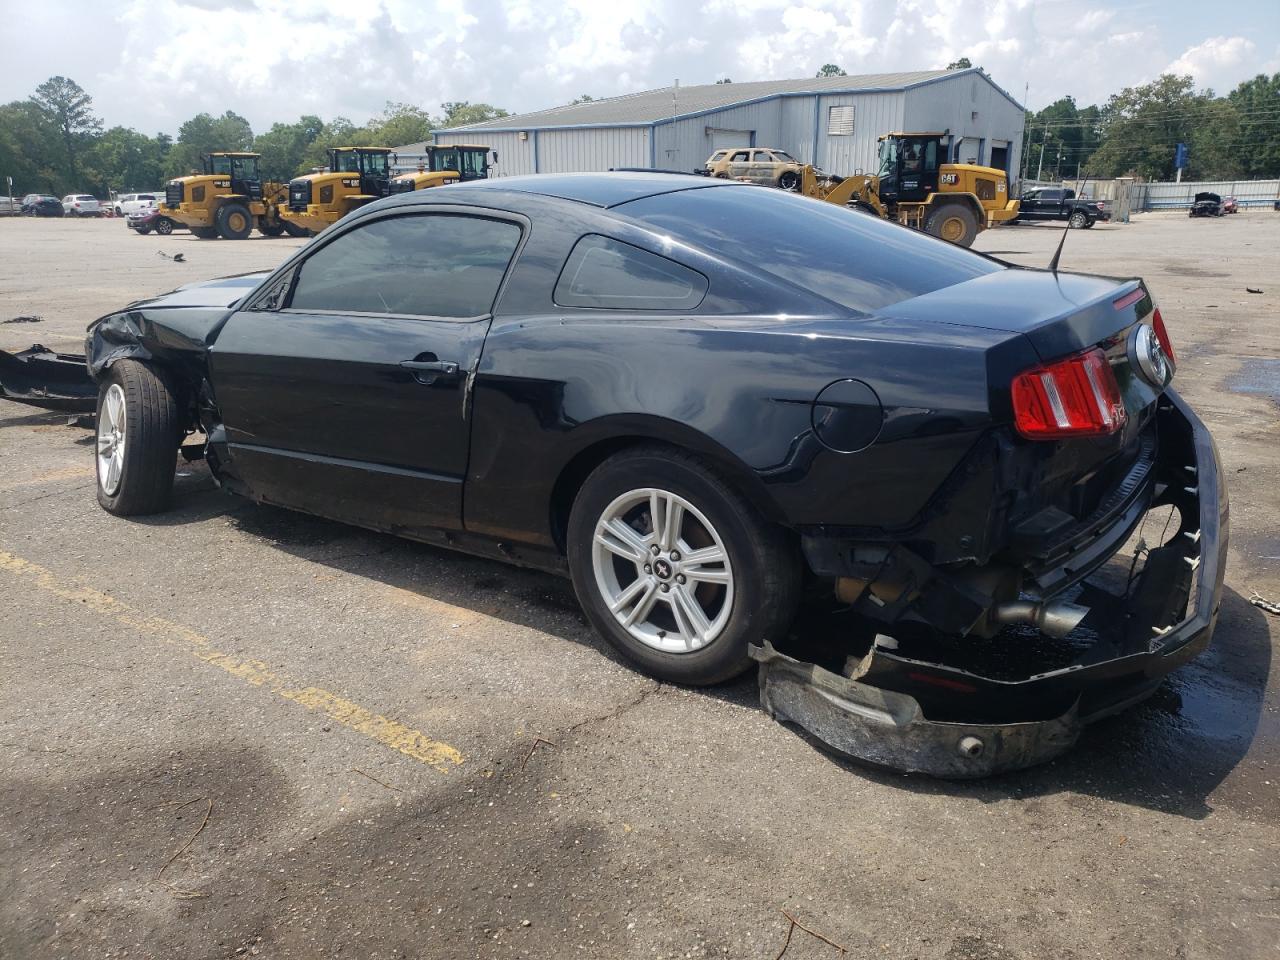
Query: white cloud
point(1217, 62)
point(153, 63)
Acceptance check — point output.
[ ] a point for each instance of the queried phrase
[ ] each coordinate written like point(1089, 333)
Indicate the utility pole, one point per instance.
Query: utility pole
point(1040, 165)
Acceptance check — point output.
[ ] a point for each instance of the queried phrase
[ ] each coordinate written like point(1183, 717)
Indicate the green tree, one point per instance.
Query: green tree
point(124, 160)
point(284, 147)
point(29, 150)
point(69, 110)
point(1069, 134)
point(459, 113)
point(961, 64)
point(1255, 102)
point(1142, 126)
point(204, 134)
point(401, 124)
point(725, 80)
point(830, 70)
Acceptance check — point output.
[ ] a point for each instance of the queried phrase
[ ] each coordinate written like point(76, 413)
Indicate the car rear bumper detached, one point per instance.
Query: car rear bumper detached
point(942, 720)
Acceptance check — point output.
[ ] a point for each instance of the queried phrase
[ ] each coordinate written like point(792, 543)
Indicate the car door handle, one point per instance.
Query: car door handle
point(428, 372)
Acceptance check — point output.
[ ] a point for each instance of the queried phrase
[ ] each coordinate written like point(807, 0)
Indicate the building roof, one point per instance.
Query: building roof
point(667, 103)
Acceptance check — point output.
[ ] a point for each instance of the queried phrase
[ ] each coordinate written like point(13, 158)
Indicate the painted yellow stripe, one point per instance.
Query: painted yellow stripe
point(388, 732)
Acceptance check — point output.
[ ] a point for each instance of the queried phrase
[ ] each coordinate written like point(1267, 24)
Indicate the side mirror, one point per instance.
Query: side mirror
point(495, 158)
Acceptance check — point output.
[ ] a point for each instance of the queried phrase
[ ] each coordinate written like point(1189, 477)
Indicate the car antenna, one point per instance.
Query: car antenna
point(1057, 254)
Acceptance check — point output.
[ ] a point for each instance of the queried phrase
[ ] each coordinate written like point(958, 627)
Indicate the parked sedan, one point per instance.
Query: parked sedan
point(148, 219)
point(81, 205)
point(38, 206)
point(712, 406)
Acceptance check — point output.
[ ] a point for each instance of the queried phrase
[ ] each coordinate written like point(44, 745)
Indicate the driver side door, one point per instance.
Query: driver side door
point(342, 386)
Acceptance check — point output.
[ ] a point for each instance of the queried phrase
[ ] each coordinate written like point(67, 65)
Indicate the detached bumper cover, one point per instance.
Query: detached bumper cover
point(42, 378)
point(949, 722)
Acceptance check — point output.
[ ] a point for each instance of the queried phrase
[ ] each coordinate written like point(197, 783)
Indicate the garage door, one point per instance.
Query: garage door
point(724, 139)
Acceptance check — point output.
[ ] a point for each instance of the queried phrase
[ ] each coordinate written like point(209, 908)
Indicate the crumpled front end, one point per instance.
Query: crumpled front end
point(971, 706)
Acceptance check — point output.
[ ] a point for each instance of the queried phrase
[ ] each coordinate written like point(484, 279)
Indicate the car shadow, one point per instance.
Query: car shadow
point(1170, 753)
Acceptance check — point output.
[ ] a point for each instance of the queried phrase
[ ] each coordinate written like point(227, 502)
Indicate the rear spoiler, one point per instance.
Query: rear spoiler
point(42, 378)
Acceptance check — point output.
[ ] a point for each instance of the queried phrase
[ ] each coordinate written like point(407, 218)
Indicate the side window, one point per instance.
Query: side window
point(612, 275)
point(1051, 195)
point(434, 265)
point(739, 157)
point(764, 156)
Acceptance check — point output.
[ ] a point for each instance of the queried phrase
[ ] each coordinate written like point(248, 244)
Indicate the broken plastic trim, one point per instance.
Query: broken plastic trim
point(992, 726)
point(41, 378)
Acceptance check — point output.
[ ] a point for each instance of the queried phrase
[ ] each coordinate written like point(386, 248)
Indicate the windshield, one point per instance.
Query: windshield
point(888, 157)
point(345, 161)
point(473, 164)
point(376, 164)
point(220, 166)
point(445, 158)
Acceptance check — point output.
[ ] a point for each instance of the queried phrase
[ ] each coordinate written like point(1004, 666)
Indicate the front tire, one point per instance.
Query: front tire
point(138, 432)
point(676, 569)
point(234, 221)
point(268, 229)
point(789, 181)
point(293, 230)
point(164, 227)
point(954, 223)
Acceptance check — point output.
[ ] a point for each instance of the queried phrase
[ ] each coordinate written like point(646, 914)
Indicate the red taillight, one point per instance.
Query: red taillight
point(1162, 335)
point(1075, 397)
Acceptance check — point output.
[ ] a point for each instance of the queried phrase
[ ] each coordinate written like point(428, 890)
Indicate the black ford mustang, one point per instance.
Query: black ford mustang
point(711, 404)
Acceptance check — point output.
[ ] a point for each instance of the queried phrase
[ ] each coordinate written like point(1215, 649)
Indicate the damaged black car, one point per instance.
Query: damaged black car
point(726, 414)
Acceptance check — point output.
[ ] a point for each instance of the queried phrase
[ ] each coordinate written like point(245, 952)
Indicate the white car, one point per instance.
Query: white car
point(130, 203)
point(81, 205)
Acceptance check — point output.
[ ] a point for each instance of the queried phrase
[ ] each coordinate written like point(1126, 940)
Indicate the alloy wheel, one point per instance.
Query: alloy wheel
point(663, 570)
point(111, 439)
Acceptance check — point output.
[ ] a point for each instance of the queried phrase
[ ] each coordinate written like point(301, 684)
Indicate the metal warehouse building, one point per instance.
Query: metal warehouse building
point(831, 122)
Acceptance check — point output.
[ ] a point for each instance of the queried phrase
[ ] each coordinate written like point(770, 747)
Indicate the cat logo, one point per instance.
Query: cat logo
point(222, 183)
point(951, 178)
point(351, 182)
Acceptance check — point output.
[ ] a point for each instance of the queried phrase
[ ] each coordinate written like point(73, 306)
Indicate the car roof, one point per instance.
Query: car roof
point(596, 189)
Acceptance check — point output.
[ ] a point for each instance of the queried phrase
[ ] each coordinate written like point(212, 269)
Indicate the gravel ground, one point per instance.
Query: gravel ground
point(231, 731)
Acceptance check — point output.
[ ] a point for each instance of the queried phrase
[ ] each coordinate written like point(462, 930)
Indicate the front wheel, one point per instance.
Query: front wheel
point(233, 221)
point(164, 227)
point(789, 181)
point(954, 223)
point(1078, 221)
point(143, 231)
point(138, 432)
point(268, 228)
point(676, 569)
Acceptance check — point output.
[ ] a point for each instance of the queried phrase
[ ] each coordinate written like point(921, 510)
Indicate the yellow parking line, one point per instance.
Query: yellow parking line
point(389, 733)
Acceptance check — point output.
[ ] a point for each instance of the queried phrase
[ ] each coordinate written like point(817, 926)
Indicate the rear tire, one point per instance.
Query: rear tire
point(744, 588)
point(233, 221)
point(953, 222)
point(143, 231)
point(138, 432)
point(269, 229)
point(205, 233)
point(1078, 221)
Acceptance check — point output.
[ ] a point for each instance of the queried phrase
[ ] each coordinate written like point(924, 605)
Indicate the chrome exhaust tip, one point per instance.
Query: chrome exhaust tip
point(1057, 618)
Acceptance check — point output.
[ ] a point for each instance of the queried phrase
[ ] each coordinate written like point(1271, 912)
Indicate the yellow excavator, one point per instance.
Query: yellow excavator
point(227, 200)
point(444, 164)
point(356, 176)
point(953, 201)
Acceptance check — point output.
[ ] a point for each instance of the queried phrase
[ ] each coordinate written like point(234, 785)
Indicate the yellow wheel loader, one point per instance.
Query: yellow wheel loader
point(227, 200)
point(356, 176)
point(445, 164)
point(953, 201)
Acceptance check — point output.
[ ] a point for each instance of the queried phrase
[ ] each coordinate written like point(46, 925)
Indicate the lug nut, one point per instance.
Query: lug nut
point(675, 556)
point(666, 587)
point(648, 568)
point(680, 578)
point(654, 550)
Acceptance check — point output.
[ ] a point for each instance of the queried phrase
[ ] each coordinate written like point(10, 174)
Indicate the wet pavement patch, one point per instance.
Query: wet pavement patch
point(1257, 375)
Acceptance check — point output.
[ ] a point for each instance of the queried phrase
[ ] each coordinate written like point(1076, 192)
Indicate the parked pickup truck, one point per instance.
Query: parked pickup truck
point(1054, 203)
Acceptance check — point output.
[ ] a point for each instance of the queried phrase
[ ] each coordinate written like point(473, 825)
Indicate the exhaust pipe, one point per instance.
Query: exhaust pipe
point(1056, 618)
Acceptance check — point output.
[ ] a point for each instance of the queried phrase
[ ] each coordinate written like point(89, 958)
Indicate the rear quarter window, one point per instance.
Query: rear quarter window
point(852, 259)
point(608, 274)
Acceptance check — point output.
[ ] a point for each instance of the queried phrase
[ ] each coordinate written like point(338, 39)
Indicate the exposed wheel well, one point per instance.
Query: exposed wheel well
point(576, 471)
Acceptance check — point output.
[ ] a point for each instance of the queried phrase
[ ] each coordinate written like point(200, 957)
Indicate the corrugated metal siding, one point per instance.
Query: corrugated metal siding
point(686, 144)
point(795, 133)
point(515, 156)
point(573, 151)
point(950, 104)
point(873, 114)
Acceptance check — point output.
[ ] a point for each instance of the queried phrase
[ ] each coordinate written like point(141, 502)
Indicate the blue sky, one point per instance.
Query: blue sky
point(151, 64)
